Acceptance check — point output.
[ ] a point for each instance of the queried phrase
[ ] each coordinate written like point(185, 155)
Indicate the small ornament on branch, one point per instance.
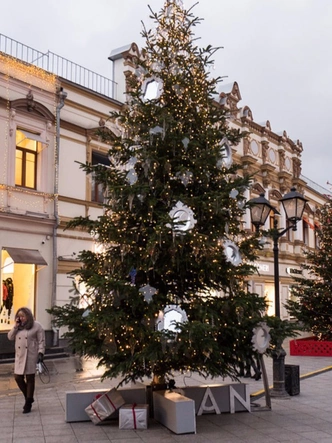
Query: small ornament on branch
point(185, 143)
point(132, 174)
point(156, 130)
point(185, 177)
point(132, 275)
point(86, 313)
point(148, 292)
point(240, 199)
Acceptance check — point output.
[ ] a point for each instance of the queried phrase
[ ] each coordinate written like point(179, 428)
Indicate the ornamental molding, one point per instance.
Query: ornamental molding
point(257, 187)
point(38, 110)
point(274, 193)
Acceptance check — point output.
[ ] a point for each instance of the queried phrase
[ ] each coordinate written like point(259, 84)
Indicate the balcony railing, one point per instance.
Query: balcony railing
point(316, 187)
point(59, 66)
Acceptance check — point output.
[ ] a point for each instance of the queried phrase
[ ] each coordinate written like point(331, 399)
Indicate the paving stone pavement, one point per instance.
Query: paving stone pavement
point(302, 418)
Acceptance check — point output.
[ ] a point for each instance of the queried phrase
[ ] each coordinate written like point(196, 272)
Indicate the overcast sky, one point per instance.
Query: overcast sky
point(279, 52)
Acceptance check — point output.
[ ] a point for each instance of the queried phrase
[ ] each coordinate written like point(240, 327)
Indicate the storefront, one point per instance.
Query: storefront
point(263, 284)
point(19, 274)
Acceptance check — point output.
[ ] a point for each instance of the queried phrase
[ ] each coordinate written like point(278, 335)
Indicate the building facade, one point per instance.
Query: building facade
point(49, 123)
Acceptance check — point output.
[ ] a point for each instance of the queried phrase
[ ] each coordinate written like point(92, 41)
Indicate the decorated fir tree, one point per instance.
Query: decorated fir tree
point(311, 303)
point(171, 238)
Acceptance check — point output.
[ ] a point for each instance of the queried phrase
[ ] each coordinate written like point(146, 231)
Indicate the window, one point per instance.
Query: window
point(97, 192)
point(290, 232)
point(305, 232)
point(271, 222)
point(26, 159)
point(317, 242)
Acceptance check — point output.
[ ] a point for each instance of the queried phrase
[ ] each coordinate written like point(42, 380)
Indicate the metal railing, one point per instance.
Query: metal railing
point(59, 66)
point(316, 187)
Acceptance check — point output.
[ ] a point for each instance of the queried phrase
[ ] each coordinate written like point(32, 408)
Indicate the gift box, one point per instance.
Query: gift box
point(133, 416)
point(104, 406)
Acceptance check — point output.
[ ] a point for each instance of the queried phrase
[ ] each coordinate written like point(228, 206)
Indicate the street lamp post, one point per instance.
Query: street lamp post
point(260, 208)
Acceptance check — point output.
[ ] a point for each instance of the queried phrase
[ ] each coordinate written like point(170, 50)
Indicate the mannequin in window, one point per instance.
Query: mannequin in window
point(4, 295)
point(10, 295)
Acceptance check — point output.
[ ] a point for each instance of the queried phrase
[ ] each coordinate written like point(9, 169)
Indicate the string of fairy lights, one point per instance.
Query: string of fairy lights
point(5, 154)
point(175, 139)
point(37, 80)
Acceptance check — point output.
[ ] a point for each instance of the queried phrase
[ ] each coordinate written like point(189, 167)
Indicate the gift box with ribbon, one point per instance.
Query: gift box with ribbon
point(133, 416)
point(104, 406)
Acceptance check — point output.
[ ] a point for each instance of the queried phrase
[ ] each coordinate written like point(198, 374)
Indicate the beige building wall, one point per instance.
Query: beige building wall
point(27, 104)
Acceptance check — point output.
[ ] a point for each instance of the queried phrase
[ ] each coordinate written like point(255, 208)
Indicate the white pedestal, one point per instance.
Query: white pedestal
point(174, 411)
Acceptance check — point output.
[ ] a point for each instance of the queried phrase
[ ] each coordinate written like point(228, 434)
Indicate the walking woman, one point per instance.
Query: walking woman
point(29, 339)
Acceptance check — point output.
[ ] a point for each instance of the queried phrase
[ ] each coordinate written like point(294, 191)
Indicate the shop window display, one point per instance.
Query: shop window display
point(18, 289)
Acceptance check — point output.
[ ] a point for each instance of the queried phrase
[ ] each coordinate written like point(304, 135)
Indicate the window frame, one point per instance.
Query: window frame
point(305, 232)
point(97, 194)
point(24, 174)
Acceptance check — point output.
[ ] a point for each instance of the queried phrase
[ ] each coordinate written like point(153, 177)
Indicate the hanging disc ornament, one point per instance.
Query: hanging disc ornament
point(152, 88)
point(261, 338)
point(183, 218)
point(232, 252)
point(226, 159)
point(168, 318)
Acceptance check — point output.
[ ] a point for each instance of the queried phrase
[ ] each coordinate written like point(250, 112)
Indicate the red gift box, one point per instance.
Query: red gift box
point(133, 416)
point(104, 406)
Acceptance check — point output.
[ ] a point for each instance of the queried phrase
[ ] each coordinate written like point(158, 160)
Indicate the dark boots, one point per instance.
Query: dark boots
point(21, 383)
point(27, 405)
point(27, 386)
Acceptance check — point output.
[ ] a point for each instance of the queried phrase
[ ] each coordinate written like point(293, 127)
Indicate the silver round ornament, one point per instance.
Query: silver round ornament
point(261, 338)
point(183, 218)
point(232, 252)
point(152, 89)
point(226, 159)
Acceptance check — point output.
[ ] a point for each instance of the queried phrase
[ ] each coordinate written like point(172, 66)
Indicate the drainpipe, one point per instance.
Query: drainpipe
point(62, 96)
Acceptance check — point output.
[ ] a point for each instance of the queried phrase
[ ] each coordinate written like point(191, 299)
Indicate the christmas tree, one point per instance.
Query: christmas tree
point(311, 301)
point(171, 239)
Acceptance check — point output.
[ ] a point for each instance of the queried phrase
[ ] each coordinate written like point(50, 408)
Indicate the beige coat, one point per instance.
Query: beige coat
point(28, 342)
